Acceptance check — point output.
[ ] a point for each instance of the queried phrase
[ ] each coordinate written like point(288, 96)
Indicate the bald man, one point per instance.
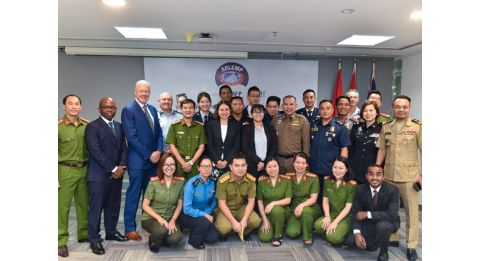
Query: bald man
point(166, 115)
point(145, 145)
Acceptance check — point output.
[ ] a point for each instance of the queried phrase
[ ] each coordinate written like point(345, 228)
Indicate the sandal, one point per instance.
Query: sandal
point(277, 241)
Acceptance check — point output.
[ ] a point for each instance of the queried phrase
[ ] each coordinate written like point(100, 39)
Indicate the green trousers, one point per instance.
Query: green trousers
point(159, 233)
point(73, 184)
point(304, 224)
point(224, 226)
point(277, 219)
point(341, 231)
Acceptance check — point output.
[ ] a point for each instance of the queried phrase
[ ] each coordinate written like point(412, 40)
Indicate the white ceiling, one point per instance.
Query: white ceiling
point(305, 27)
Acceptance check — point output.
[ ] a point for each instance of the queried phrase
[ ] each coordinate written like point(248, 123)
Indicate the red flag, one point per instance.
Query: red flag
point(338, 91)
point(353, 82)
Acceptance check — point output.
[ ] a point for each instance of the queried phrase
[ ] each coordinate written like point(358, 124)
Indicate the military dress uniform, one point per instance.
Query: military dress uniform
point(163, 200)
point(236, 195)
point(293, 134)
point(302, 190)
point(186, 139)
point(199, 200)
point(267, 193)
point(311, 117)
point(383, 118)
point(363, 151)
point(338, 197)
point(402, 169)
point(72, 177)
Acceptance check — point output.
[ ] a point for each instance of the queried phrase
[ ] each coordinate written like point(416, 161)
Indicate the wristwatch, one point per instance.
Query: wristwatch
point(191, 163)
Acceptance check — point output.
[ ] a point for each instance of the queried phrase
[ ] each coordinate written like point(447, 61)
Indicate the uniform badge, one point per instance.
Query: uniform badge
point(330, 133)
point(360, 130)
point(180, 132)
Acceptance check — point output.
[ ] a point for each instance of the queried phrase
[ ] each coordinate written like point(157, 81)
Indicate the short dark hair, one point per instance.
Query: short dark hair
point(365, 105)
point(323, 101)
point(239, 156)
point(204, 157)
point(289, 96)
point(217, 108)
point(375, 92)
point(342, 97)
point(186, 101)
point(224, 87)
point(374, 166)
point(181, 95)
point(307, 91)
point(237, 98)
point(301, 155)
point(405, 97)
point(273, 98)
point(348, 175)
point(203, 94)
point(257, 107)
point(252, 89)
point(70, 95)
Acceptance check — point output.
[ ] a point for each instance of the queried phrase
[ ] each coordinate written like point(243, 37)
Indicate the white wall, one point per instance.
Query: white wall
point(412, 82)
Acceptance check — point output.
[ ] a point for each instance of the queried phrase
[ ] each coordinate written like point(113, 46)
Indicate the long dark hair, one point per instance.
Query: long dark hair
point(348, 175)
point(162, 160)
point(217, 108)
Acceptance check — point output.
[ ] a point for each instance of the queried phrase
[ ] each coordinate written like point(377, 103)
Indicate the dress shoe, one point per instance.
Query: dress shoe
point(383, 256)
point(201, 246)
point(394, 244)
point(411, 254)
point(154, 247)
point(63, 251)
point(117, 237)
point(97, 248)
point(247, 238)
point(133, 235)
point(83, 240)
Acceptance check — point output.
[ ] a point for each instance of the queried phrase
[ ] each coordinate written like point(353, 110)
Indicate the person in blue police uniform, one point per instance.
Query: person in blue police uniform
point(199, 202)
point(203, 114)
point(330, 141)
point(309, 111)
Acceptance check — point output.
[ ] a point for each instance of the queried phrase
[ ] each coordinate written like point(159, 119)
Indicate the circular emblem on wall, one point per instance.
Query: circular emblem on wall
point(231, 74)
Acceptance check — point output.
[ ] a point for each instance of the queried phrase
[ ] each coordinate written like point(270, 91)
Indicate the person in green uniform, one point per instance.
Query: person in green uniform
point(72, 171)
point(274, 197)
point(305, 187)
point(187, 141)
point(162, 205)
point(338, 193)
point(376, 97)
point(236, 193)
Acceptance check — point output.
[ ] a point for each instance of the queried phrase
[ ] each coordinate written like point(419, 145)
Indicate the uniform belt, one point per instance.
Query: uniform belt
point(287, 156)
point(73, 164)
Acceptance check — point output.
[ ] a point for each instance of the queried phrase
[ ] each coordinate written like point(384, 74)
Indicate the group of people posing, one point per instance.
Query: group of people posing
point(241, 168)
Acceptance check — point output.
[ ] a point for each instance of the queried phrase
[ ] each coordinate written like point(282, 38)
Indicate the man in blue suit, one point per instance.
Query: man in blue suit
point(145, 145)
point(107, 163)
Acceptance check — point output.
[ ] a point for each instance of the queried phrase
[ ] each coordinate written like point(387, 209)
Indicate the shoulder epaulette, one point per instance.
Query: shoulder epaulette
point(153, 178)
point(198, 122)
point(195, 183)
point(311, 175)
point(179, 178)
point(84, 120)
point(263, 177)
point(384, 115)
point(290, 174)
point(250, 177)
point(177, 121)
point(353, 120)
point(224, 178)
point(353, 182)
point(390, 121)
point(285, 176)
point(60, 121)
point(419, 122)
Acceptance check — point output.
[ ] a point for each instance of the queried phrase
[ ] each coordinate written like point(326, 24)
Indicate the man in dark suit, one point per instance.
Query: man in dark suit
point(145, 145)
point(374, 213)
point(107, 163)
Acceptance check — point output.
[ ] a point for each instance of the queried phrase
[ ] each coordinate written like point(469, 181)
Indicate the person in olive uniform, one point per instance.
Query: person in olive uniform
point(305, 187)
point(376, 97)
point(162, 205)
point(72, 171)
point(338, 193)
point(236, 193)
point(274, 196)
point(364, 136)
point(400, 142)
point(187, 141)
point(293, 132)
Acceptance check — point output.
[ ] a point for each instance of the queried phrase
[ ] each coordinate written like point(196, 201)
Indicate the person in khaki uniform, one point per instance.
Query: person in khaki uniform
point(162, 205)
point(236, 193)
point(293, 131)
point(274, 195)
point(399, 144)
point(72, 172)
point(187, 141)
point(305, 187)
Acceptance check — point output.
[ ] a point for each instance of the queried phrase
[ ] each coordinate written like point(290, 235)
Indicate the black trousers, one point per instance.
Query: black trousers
point(376, 234)
point(201, 230)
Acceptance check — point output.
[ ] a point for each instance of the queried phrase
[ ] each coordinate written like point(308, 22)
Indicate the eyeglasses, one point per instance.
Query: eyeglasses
point(205, 166)
point(169, 166)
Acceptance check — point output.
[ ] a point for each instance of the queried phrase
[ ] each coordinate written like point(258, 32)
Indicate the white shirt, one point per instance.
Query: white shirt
point(369, 214)
point(223, 129)
point(260, 143)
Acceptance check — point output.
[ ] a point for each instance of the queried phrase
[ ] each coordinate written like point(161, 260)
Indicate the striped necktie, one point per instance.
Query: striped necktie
point(148, 116)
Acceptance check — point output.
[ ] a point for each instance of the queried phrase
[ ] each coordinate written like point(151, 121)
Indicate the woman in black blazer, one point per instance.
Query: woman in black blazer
point(204, 103)
point(223, 137)
point(259, 141)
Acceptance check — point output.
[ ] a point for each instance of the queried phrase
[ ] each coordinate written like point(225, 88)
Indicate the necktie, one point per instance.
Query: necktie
point(375, 198)
point(205, 119)
point(309, 114)
point(148, 116)
point(113, 128)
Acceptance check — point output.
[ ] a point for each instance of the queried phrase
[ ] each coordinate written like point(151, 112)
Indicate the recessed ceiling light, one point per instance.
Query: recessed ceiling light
point(115, 3)
point(416, 15)
point(138, 32)
point(348, 11)
point(365, 40)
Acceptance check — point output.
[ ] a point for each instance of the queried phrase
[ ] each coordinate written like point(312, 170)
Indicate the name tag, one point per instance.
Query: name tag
point(374, 135)
point(180, 132)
